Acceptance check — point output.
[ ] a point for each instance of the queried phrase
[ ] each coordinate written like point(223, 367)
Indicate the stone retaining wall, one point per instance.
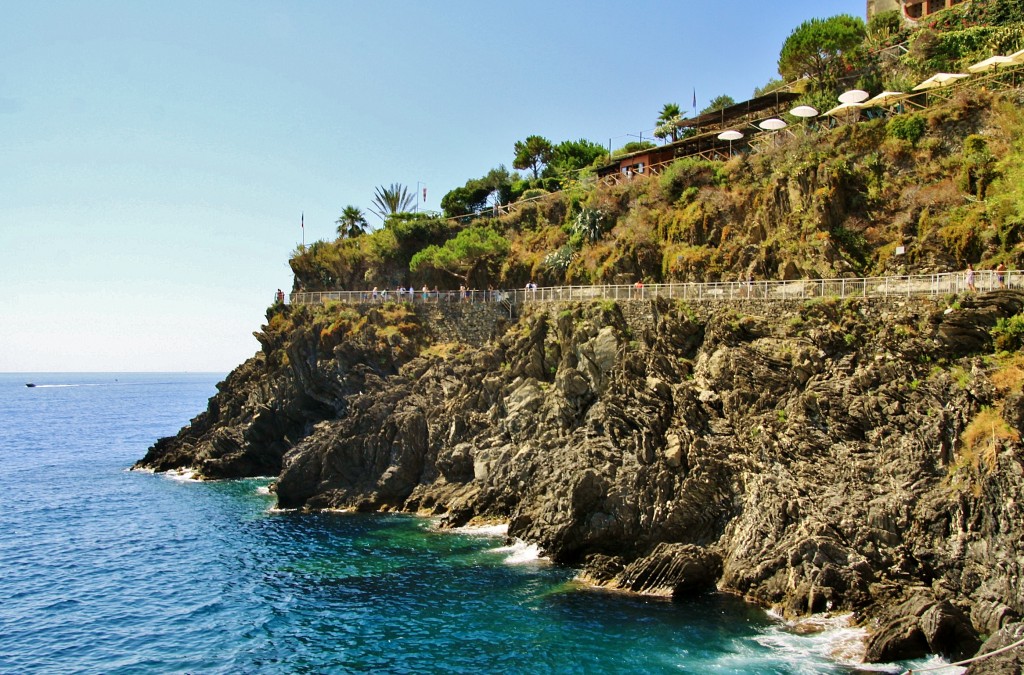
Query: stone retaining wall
point(471, 323)
point(477, 323)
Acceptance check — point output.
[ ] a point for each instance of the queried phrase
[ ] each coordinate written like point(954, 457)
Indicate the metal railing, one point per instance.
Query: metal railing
point(418, 297)
point(933, 285)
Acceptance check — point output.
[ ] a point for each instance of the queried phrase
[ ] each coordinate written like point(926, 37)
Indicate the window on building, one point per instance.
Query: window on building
point(914, 10)
point(936, 6)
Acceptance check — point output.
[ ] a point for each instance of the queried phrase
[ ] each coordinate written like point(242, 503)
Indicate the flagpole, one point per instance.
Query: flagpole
point(302, 224)
point(420, 185)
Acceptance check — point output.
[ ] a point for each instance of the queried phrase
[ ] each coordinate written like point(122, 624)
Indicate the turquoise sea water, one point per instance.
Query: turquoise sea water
point(110, 571)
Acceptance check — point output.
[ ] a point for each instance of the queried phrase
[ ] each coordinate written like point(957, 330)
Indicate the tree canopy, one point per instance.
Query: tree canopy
point(817, 48)
point(667, 122)
point(533, 153)
point(463, 255)
point(392, 199)
point(473, 196)
point(719, 102)
point(569, 157)
point(769, 86)
point(352, 223)
point(633, 146)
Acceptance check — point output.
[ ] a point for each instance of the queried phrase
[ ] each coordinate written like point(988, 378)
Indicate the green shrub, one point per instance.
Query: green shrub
point(978, 168)
point(533, 193)
point(686, 173)
point(1008, 333)
point(960, 44)
point(961, 236)
point(906, 127)
point(852, 242)
point(884, 24)
point(1006, 39)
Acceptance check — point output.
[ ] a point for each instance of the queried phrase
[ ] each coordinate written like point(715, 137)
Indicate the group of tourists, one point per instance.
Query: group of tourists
point(999, 271)
point(427, 294)
point(400, 293)
point(996, 278)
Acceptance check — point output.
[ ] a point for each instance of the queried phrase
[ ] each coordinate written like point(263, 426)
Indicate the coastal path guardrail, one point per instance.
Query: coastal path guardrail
point(933, 285)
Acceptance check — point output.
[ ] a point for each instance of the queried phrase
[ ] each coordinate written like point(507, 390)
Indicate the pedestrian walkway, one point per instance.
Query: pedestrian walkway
point(931, 285)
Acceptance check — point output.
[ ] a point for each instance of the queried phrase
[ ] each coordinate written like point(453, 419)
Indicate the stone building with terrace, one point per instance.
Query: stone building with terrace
point(911, 9)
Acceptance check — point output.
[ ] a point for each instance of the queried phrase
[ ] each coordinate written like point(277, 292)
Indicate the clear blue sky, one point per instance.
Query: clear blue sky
point(155, 156)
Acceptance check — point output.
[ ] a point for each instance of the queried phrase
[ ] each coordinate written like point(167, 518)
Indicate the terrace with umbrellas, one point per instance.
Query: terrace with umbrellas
point(753, 125)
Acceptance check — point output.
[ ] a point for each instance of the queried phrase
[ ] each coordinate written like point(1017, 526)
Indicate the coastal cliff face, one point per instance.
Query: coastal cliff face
point(811, 456)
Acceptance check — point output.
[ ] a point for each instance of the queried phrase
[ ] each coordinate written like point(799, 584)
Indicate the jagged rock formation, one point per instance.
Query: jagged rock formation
point(810, 456)
point(1010, 662)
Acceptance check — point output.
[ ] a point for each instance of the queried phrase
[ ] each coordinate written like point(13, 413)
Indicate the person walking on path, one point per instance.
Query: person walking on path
point(970, 278)
point(1001, 275)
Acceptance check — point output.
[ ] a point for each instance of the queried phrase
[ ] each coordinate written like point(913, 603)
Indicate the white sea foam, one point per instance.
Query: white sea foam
point(497, 530)
point(937, 662)
point(820, 637)
point(520, 553)
point(185, 475)
point(824, 639)
point(263, 490)
point(516, 553)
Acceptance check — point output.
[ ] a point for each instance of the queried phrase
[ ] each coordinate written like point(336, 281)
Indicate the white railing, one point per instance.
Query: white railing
point(870, 287)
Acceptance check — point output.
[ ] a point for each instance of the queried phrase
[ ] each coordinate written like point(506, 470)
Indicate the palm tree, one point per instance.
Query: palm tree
point(670, 115)
point(352, 223)
point(391, 200)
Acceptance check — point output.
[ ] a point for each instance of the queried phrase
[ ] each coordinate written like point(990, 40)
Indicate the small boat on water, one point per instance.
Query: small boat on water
point(29, 384)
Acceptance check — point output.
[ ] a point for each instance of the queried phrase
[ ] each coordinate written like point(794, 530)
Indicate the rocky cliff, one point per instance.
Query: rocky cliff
point(810, 456)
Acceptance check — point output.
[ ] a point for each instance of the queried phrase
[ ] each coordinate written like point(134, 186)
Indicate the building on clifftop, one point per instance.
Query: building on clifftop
point(911, 9)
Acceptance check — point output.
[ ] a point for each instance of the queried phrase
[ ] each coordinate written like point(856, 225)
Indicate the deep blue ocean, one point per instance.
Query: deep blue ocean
point(106, 570)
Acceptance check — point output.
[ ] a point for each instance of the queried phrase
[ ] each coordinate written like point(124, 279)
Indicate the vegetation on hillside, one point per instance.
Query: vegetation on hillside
point(945, 183)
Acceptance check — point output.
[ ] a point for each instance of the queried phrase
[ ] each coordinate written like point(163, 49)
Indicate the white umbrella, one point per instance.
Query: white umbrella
point(991, 63)
point(853, 96)
point(1017, 57)
point(803, 111)
point(939, 80)
point(842, 108)
point(886, 98)
point(730, 135)
point(773, 124)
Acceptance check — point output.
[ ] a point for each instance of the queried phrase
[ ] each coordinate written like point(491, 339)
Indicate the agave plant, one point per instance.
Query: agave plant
point(393, 199)
point(590, 225)
point(560, 260)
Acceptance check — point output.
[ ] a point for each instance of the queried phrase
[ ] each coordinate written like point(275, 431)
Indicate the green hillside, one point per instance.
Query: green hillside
point(945, 182)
